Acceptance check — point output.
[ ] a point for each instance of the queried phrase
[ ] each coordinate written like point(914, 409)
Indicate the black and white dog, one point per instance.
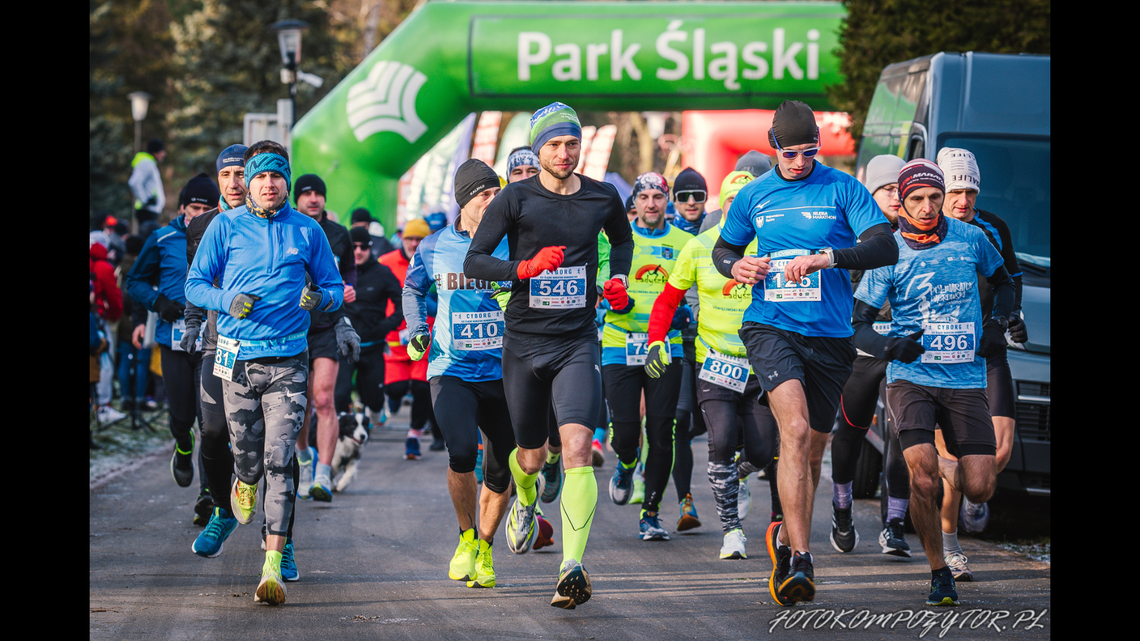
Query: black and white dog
point(354, 432)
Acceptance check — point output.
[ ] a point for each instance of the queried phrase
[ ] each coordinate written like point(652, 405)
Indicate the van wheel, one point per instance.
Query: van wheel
point(867, 471)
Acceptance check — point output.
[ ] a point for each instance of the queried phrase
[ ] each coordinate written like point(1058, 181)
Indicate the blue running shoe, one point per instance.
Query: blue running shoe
point(552, 472)
point(210, 542)
point(942, 590)
point(412, 448)
point(650, 528)
point(288, 563)
point(621, 484)
point(479, 465)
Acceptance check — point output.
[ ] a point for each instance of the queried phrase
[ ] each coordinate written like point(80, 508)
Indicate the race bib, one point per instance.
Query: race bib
point(560, 289)
point(177, 330)
point(779, 290)
point(948, 343)
point(476, 331)
point(724, 370)
point(881, 327)
point(637, 348)
point(225, 358)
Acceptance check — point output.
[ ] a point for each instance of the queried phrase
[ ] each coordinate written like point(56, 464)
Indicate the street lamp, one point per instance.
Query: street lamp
point(289, 39)
point(139, 102)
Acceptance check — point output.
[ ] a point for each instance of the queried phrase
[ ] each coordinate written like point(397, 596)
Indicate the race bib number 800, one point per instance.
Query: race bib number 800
point(560, 289)
point(779, 290)
point(476, 331)
point(948, 342)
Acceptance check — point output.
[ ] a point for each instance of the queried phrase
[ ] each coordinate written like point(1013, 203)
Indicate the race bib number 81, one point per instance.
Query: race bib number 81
point(779, 290)
point(225, 357)
point(560, 289)
point(476, 331)
point(948, 342)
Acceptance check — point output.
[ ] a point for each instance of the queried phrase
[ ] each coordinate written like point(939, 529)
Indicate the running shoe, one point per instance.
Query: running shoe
point(306, 480)
point(621, 484)
point(412, 448)
point(271, 590)
point(743, 499)
point(733, 547)
point(462, 566)
point(182, 464)
point(799, 585)
point(574, 586)
point(781, 557)
point(638, 494)
point(288, 563)
point(956, 561)
point(545, 536)
point(893, 539)
point(974, 516)
point(108, 414)
point(650, 528)
point(689, 518)
point(243, 501)
point(321, 489)
point(552, 474)
point(844, 536)
point(597, 454)
point(479, 464)
point(521, 527)
point(378, 418)
point(942, 590)
point(212, 539)
point(203, 508)
point(484, 573)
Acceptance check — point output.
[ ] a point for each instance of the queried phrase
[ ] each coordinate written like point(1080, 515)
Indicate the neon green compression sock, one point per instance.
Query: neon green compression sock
point(579, 498)
point(523, 482)
point(552, 457)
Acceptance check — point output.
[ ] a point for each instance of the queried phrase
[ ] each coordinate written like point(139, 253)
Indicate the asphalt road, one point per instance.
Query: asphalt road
point(373, 563)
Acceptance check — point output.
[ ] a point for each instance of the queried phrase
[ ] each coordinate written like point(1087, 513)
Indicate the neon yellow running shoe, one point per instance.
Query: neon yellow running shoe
point(243, 502)
point(462, 565)
point(484, 576)
point(271, 590)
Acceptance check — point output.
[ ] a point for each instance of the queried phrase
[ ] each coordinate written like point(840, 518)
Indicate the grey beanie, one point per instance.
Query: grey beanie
point(754, 163)
point(960, 168)
point(883, 170)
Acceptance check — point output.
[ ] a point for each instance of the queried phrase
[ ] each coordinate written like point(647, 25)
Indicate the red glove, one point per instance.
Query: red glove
point(547, 259)
point(615, 294)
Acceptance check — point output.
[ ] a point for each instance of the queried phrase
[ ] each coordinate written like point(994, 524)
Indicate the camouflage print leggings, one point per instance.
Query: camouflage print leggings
point(264, 407)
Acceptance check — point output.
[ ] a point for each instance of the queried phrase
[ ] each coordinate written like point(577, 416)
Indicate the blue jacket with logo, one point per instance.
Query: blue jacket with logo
point(161, 263)
point(266, 257)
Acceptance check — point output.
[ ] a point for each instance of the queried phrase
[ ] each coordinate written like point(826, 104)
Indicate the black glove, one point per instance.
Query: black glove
point(657, 359)
point(243, 305)
point(1017, 330)
point(190, 339)
point(993, 339)
point(310, 297)
point(168, 310)
point(347, 340)
point(905, 350)
point(682, 317)
point(151, 202)
point(418, 346)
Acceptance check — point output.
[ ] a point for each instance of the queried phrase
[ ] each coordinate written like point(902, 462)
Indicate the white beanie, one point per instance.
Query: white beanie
point(960, 168)
point(883, 170)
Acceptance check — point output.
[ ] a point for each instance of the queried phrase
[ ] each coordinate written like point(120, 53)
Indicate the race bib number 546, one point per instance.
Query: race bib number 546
point(560, 289)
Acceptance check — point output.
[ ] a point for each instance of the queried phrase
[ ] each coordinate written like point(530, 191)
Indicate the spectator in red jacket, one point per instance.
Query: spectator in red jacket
point(108, 306)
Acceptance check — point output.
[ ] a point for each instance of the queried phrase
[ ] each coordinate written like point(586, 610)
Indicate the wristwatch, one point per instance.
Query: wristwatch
point(830, 256)
point(623, 279)
point(1002, 321)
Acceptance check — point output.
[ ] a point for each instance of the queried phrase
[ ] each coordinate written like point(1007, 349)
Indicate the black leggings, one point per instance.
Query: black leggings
point(856, 410)
point(464, 408)
point(421, 400)
point(217, 460)
point(369, 381)
point(731, 416)
point(623, 385)
point(181, 373)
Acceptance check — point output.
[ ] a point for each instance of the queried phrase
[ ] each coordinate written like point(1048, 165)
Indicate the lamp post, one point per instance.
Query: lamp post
point(289, 39)
point(140, 100)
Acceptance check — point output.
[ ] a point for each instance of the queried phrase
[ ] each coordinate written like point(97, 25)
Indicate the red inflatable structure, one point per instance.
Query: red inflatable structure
point(713, 140)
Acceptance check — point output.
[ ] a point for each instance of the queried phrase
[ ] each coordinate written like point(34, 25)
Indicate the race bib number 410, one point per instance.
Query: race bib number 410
point(948, 342)
point(560, 289)
point(476, 331)
point(779, 290)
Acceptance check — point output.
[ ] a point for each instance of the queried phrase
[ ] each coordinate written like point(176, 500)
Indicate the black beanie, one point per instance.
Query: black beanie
point(153, 146)
point(134, 245)
point(307, 182)
point(360, 235)
point(471, 179)
point(200, 190)
point(689, 180)
point(793, 124)
point(361, 215)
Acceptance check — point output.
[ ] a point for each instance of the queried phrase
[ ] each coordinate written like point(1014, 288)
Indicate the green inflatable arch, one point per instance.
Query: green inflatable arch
point(449, 59)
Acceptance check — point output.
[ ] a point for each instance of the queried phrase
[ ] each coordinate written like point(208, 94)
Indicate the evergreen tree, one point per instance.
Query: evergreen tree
point(877, 33)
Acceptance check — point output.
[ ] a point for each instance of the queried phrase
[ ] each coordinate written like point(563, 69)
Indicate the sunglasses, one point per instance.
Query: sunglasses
point(694, 195)
point(790, 155)
point(362, 247)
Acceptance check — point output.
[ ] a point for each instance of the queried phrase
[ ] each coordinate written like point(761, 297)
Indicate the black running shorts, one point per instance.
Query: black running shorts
point(821, 364)
point(962, 414)
point(322, 344)
point(999, 386)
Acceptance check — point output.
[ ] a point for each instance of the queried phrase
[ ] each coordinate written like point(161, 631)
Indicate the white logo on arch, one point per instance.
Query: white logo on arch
point(386, 101)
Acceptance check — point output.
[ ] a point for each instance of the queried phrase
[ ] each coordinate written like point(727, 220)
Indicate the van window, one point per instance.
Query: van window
point(1015, 182)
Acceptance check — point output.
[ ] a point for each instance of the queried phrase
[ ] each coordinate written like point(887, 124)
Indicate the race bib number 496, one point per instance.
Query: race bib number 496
point(560, 289)
point(475, 331)
point(948, 343)
point(777, 289)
